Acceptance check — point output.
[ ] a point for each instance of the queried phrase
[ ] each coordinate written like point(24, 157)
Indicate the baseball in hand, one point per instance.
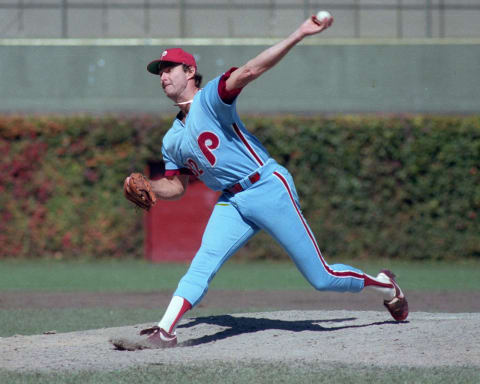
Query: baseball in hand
point(322, 16)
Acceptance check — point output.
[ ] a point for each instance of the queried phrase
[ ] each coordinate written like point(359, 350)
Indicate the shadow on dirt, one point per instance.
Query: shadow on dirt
point(242, 325)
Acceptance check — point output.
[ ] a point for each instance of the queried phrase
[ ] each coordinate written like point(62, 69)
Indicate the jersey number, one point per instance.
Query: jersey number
point(194, 168)
point(208, 142)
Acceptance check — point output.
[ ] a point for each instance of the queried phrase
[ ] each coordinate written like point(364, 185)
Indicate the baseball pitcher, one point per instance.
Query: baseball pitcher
point(208, 140)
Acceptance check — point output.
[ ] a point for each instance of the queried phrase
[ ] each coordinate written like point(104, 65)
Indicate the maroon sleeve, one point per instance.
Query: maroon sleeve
point(227, 97)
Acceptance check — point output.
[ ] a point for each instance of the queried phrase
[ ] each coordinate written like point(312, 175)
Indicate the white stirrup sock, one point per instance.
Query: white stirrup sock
point(381, 284)
point(175, 310)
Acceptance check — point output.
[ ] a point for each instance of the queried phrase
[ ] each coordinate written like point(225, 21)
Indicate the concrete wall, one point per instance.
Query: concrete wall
point(323, 77)
point(235, 18)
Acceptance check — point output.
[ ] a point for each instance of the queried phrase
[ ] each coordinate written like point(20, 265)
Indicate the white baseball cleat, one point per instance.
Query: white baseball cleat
point(398, 306)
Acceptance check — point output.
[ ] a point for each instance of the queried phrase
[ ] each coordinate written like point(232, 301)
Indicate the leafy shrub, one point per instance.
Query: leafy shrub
point(403, 187)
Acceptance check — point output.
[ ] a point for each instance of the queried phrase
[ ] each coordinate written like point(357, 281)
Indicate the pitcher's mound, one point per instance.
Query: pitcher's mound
point(368, 337)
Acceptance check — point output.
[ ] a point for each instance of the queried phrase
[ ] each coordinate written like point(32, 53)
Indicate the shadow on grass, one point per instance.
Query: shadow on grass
point(241, 325)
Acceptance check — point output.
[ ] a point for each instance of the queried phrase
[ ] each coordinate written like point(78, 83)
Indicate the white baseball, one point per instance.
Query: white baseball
point(323, 15)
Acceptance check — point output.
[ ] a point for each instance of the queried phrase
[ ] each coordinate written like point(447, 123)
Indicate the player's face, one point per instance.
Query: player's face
point(174, 81)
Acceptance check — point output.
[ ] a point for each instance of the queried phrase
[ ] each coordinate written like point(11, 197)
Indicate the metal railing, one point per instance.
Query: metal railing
point(433, 12)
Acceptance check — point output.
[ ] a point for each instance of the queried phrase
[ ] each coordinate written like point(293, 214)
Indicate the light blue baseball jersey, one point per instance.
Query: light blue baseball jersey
point(213, 144)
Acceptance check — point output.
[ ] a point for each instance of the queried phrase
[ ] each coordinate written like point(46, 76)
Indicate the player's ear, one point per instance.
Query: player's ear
point(190, 71)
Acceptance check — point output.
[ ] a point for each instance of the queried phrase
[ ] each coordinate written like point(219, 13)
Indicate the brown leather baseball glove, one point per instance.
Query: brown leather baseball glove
point(139, 191)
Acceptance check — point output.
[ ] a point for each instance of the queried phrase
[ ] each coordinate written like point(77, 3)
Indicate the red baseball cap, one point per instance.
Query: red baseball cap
point(172, 55)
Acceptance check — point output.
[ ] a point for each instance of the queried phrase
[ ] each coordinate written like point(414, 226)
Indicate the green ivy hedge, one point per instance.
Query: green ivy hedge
point(399, 187)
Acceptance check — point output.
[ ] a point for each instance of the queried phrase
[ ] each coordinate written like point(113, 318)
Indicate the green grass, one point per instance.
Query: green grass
point(88, 276)
point(229, 373)
point(140, 276)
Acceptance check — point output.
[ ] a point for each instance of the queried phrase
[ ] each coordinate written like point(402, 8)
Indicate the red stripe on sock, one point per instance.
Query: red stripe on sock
point(186, 306)
point(376, 283)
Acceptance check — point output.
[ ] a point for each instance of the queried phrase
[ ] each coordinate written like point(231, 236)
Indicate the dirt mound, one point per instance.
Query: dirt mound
point(368, 337)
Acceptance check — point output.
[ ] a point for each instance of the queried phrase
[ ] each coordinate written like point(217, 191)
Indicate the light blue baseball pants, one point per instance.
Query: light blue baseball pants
point(270, 204)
